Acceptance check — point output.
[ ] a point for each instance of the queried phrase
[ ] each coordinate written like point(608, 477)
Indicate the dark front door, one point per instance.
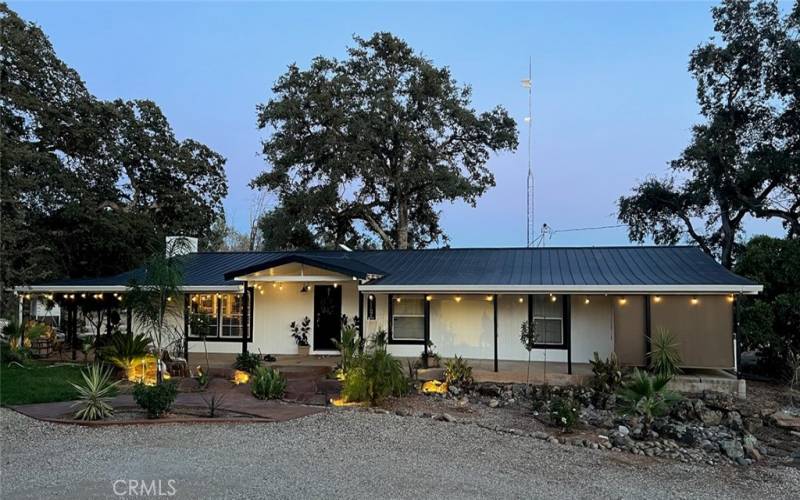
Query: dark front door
point(327, 316)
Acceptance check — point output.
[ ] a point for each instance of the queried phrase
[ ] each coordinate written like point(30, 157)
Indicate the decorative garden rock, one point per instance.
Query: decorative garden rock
point(731, 448)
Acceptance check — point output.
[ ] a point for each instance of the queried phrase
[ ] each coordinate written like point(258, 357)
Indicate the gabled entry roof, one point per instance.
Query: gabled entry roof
point(340, 262)
point(634, 269)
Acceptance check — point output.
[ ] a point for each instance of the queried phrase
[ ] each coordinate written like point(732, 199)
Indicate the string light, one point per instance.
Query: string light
point(335, 285)
point(553, 298)
point(520, 300)
point(490, 298)
point(398, 299)
point(429, 298)
point(731, 298)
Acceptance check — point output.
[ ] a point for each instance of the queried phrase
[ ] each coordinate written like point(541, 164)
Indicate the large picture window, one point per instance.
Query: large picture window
point(203, 315)
point(548, 313)
point(216, 315)
point(408, 318)
point(232, 317)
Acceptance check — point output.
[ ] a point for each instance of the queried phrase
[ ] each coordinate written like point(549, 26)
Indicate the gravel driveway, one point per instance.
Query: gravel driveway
point(348, 454)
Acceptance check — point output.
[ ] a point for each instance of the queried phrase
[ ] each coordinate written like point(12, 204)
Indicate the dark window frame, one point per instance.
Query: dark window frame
point(565, 324)
point(247, 329)
point(426, 323)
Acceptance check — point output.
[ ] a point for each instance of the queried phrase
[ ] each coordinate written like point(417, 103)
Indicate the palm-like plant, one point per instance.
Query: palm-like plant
point(94, 394)
point(647, 396)
point(124, 349)
point(152, 299)
point(664, 356)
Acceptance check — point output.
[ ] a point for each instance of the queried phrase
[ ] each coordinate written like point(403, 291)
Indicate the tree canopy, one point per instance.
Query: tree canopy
point(89, 187)
point(744, 158)
point(363, 149)
point(770, 321)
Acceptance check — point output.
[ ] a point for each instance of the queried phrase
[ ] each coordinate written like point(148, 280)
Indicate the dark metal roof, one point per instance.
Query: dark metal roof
point(566, 266)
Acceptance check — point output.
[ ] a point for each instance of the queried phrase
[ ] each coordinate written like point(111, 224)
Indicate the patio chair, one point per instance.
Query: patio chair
point(177, 367)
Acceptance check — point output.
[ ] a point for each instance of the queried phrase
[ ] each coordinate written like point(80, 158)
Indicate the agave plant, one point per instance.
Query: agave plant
point(94, 394)
point(647, 396)
point(664, 355)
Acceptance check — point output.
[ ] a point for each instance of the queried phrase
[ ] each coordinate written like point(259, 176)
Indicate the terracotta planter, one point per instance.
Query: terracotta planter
point(302, 350)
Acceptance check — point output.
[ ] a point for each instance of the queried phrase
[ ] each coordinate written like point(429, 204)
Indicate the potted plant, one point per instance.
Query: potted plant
point(431, 359)
point(300, 335)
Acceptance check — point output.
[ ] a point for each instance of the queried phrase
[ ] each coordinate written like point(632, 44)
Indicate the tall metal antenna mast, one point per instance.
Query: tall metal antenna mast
point(528, 84)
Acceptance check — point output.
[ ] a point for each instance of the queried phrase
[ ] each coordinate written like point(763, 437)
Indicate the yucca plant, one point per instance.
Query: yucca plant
point(664, 355)
point(267, 383)
point(647, 396)
point(94, 394)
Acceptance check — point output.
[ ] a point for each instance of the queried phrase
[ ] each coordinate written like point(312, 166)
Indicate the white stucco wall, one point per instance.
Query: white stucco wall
point(592, 327)
point(464, 328)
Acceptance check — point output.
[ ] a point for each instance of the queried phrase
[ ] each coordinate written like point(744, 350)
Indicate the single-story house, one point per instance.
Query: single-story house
point(469, 302)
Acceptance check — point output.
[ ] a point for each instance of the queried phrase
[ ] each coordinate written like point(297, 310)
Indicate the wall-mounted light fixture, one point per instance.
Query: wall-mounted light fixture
point(695, 301)
point(429, 298)
point(586, 300)
point(623, 301)
point(457, 298)
point(398, 299)
point(657, 299)
point(490, 298)
point(731, 298)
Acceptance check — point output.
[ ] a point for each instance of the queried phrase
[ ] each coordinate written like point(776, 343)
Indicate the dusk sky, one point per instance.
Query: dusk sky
point(613, 101)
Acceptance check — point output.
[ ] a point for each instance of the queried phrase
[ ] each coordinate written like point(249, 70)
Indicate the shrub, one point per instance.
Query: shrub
point(607, 375)
point(457, 371)
point(123, 349)
point(664, 355)
point(247, 362)
point(375, 375)
point(156, 399)
point(267, 383)
point(11, 352)
point(564, 413)
point(94, 394)
point(647, 396)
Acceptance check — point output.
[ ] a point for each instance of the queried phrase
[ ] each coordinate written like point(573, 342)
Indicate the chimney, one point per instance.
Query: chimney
point(180, 245)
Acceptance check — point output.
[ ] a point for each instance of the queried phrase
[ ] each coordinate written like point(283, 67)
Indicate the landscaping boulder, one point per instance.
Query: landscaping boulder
point(733, 420)
point(731, 448)
point(711, 417)
point(786, 420)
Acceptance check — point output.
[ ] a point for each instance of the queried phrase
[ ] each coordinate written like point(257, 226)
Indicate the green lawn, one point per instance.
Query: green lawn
point(37, 383)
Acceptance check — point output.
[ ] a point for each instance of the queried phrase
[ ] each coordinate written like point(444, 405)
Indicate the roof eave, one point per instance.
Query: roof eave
point(588, 289)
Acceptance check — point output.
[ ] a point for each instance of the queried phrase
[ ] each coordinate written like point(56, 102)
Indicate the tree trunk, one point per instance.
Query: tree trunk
point(402, 224)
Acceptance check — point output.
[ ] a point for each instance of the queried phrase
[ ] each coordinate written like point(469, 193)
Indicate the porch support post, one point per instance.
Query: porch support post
point(73, 329)
point(427, 329)
point(494, 301)
point(647, 330)
point(736, 345)
point(108, 319)
point(245, 318)
point(361, 315)
point(129, 320)
point(567, 324)
point(186, 302)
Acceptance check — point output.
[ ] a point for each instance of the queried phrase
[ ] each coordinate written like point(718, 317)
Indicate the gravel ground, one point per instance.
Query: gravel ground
point(351, 454)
